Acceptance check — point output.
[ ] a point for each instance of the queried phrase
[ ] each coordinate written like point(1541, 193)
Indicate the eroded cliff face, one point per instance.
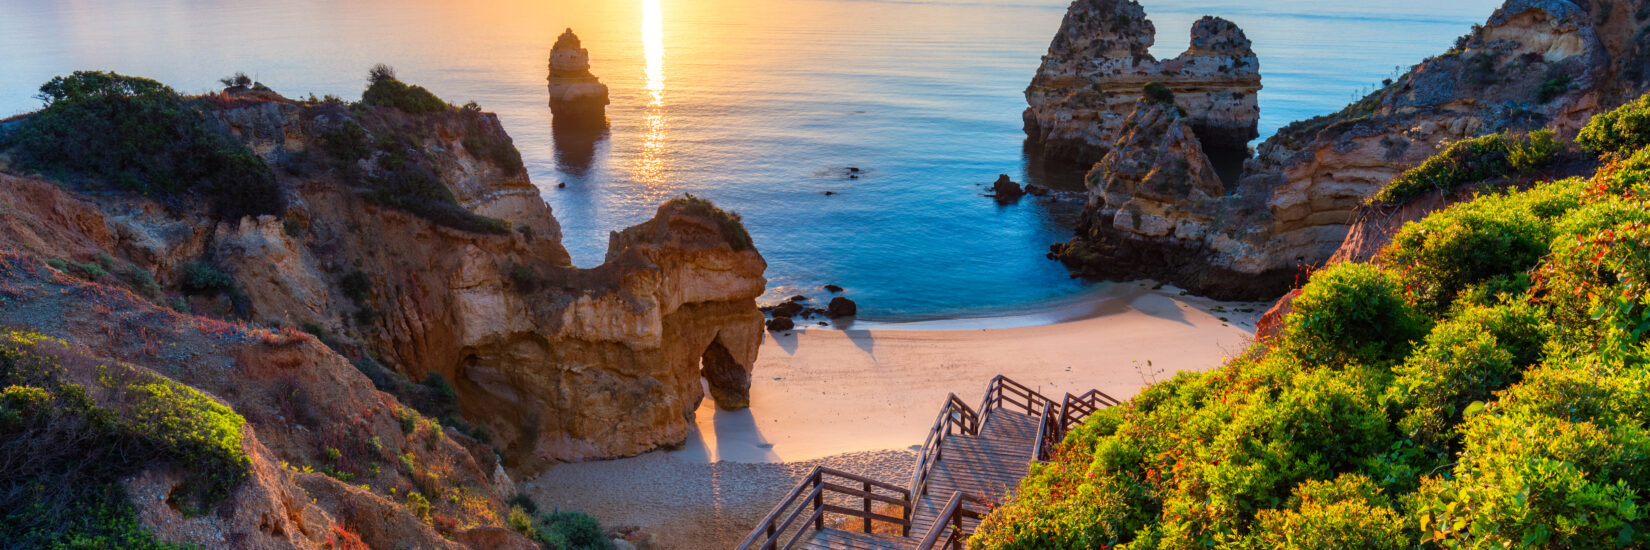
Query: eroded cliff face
point(553, 361)
point(1099, 62)
point(307, 411)
point(1534, 64)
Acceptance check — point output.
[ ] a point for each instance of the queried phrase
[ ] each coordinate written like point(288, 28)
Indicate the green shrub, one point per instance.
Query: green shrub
point(1440, 256)
point(1531, 480)
point(1521, 420)
point(1462, 363)
point(499, 149)
point(135, 134)
point(356, 286)
point(383, 90)
point(1621, 131)
point(1473, 160)
point(1352, 313)
point(66, 449)
point(408, 185)
point(204, 278)
point(1552, 88)
point(346, 142)
point(1157, 92)
point(570, 531)
point(1349, 512)
point(733, 227)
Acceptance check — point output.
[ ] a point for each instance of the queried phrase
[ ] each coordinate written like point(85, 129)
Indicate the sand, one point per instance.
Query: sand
point(862, 397)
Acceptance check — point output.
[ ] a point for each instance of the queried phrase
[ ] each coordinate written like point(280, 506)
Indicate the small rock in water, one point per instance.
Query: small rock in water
point(853, 169)
point(832, 288)
point(787, 309)
point(797, 298)
point(561, 185)
point(778, 324)
point(1036, 190)
point(841, 307)
point(1005, 190)
point(853, 176)
point(829, 193)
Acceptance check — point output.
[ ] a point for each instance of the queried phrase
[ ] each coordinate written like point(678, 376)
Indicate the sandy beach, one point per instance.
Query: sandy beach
point(862, 397)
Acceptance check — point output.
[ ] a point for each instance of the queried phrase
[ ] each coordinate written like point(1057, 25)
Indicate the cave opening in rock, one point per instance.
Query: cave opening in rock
point(1225, 152)
point(729, 383)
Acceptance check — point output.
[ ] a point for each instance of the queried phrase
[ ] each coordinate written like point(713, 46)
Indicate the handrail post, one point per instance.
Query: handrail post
point(819, 501)
point(867, 506)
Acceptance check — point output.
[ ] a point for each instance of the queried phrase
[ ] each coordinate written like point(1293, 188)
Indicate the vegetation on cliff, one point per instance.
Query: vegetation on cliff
point(108, 130)
point(1473, 160)
point(733, 227)
point(1480, 384)
point(66, 445)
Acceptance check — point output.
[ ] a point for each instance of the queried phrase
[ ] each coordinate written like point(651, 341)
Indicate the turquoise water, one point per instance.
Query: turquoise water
point(760, 105)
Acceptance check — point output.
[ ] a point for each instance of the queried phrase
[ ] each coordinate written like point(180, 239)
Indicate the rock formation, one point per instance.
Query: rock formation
point(1098, 65)
point(1535, 63)
point(575, 94)
point(306, 409)
point(553, 361)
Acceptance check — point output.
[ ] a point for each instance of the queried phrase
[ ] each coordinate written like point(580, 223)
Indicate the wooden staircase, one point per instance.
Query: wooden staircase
point(972, 457)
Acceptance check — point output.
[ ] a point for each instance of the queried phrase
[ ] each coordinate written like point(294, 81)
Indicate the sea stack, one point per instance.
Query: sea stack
point(1097, 68)
point(575, 94)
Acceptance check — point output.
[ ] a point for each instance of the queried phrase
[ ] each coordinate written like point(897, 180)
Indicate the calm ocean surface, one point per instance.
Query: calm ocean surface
point(759, 105)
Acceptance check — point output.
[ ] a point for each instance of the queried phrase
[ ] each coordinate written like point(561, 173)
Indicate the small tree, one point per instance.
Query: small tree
point(236, 81)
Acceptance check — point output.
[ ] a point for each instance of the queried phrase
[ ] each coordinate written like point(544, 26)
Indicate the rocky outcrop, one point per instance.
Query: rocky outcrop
point(1535, 63)
point(575, 94)
point(554, 362)
point(306, 409)
point(1098, 65)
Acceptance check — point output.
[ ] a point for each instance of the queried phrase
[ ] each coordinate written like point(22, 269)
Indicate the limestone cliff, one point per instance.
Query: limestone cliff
point(1099, 62)
point(552, 361)
point(307, 411)
point(1533, 64)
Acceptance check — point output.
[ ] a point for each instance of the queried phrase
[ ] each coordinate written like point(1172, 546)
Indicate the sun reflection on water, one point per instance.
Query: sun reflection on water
point(649, 167)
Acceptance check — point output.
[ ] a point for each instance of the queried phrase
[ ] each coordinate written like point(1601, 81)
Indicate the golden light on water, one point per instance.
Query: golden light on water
point(649, 166)
point(653, 47)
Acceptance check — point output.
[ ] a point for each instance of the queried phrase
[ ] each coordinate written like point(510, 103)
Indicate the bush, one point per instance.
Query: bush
point(501, 152)
point(570, 531)
point(1157, 92)
point(1552, 88)
point(1349, 512)
point(1621, 131)
point(356, 286)
point(1472, 160)
point(66, 448)
point(1464, 245)
point(408, 185)
point(1521, 420)
point(733, 227)
point(346, 142)
point(204, 278)
point(135, 134)
point(1351, 313)
point(383, 90)
point(1463, 362)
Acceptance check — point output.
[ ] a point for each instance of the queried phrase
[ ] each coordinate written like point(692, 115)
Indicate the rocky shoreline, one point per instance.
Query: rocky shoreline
point(1248, 233)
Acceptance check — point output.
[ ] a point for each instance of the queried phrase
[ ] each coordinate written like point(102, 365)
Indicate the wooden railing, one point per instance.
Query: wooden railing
point(1074, 409)
point(955, 417)
point(1050, 431)
point(1004, 392)
point(817, 492)
point(947, 531)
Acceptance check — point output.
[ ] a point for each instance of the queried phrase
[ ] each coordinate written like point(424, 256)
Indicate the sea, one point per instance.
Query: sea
point(855, 137)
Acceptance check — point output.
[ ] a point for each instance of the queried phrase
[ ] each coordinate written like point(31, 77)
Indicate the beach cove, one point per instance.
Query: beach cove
point(862, 400)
